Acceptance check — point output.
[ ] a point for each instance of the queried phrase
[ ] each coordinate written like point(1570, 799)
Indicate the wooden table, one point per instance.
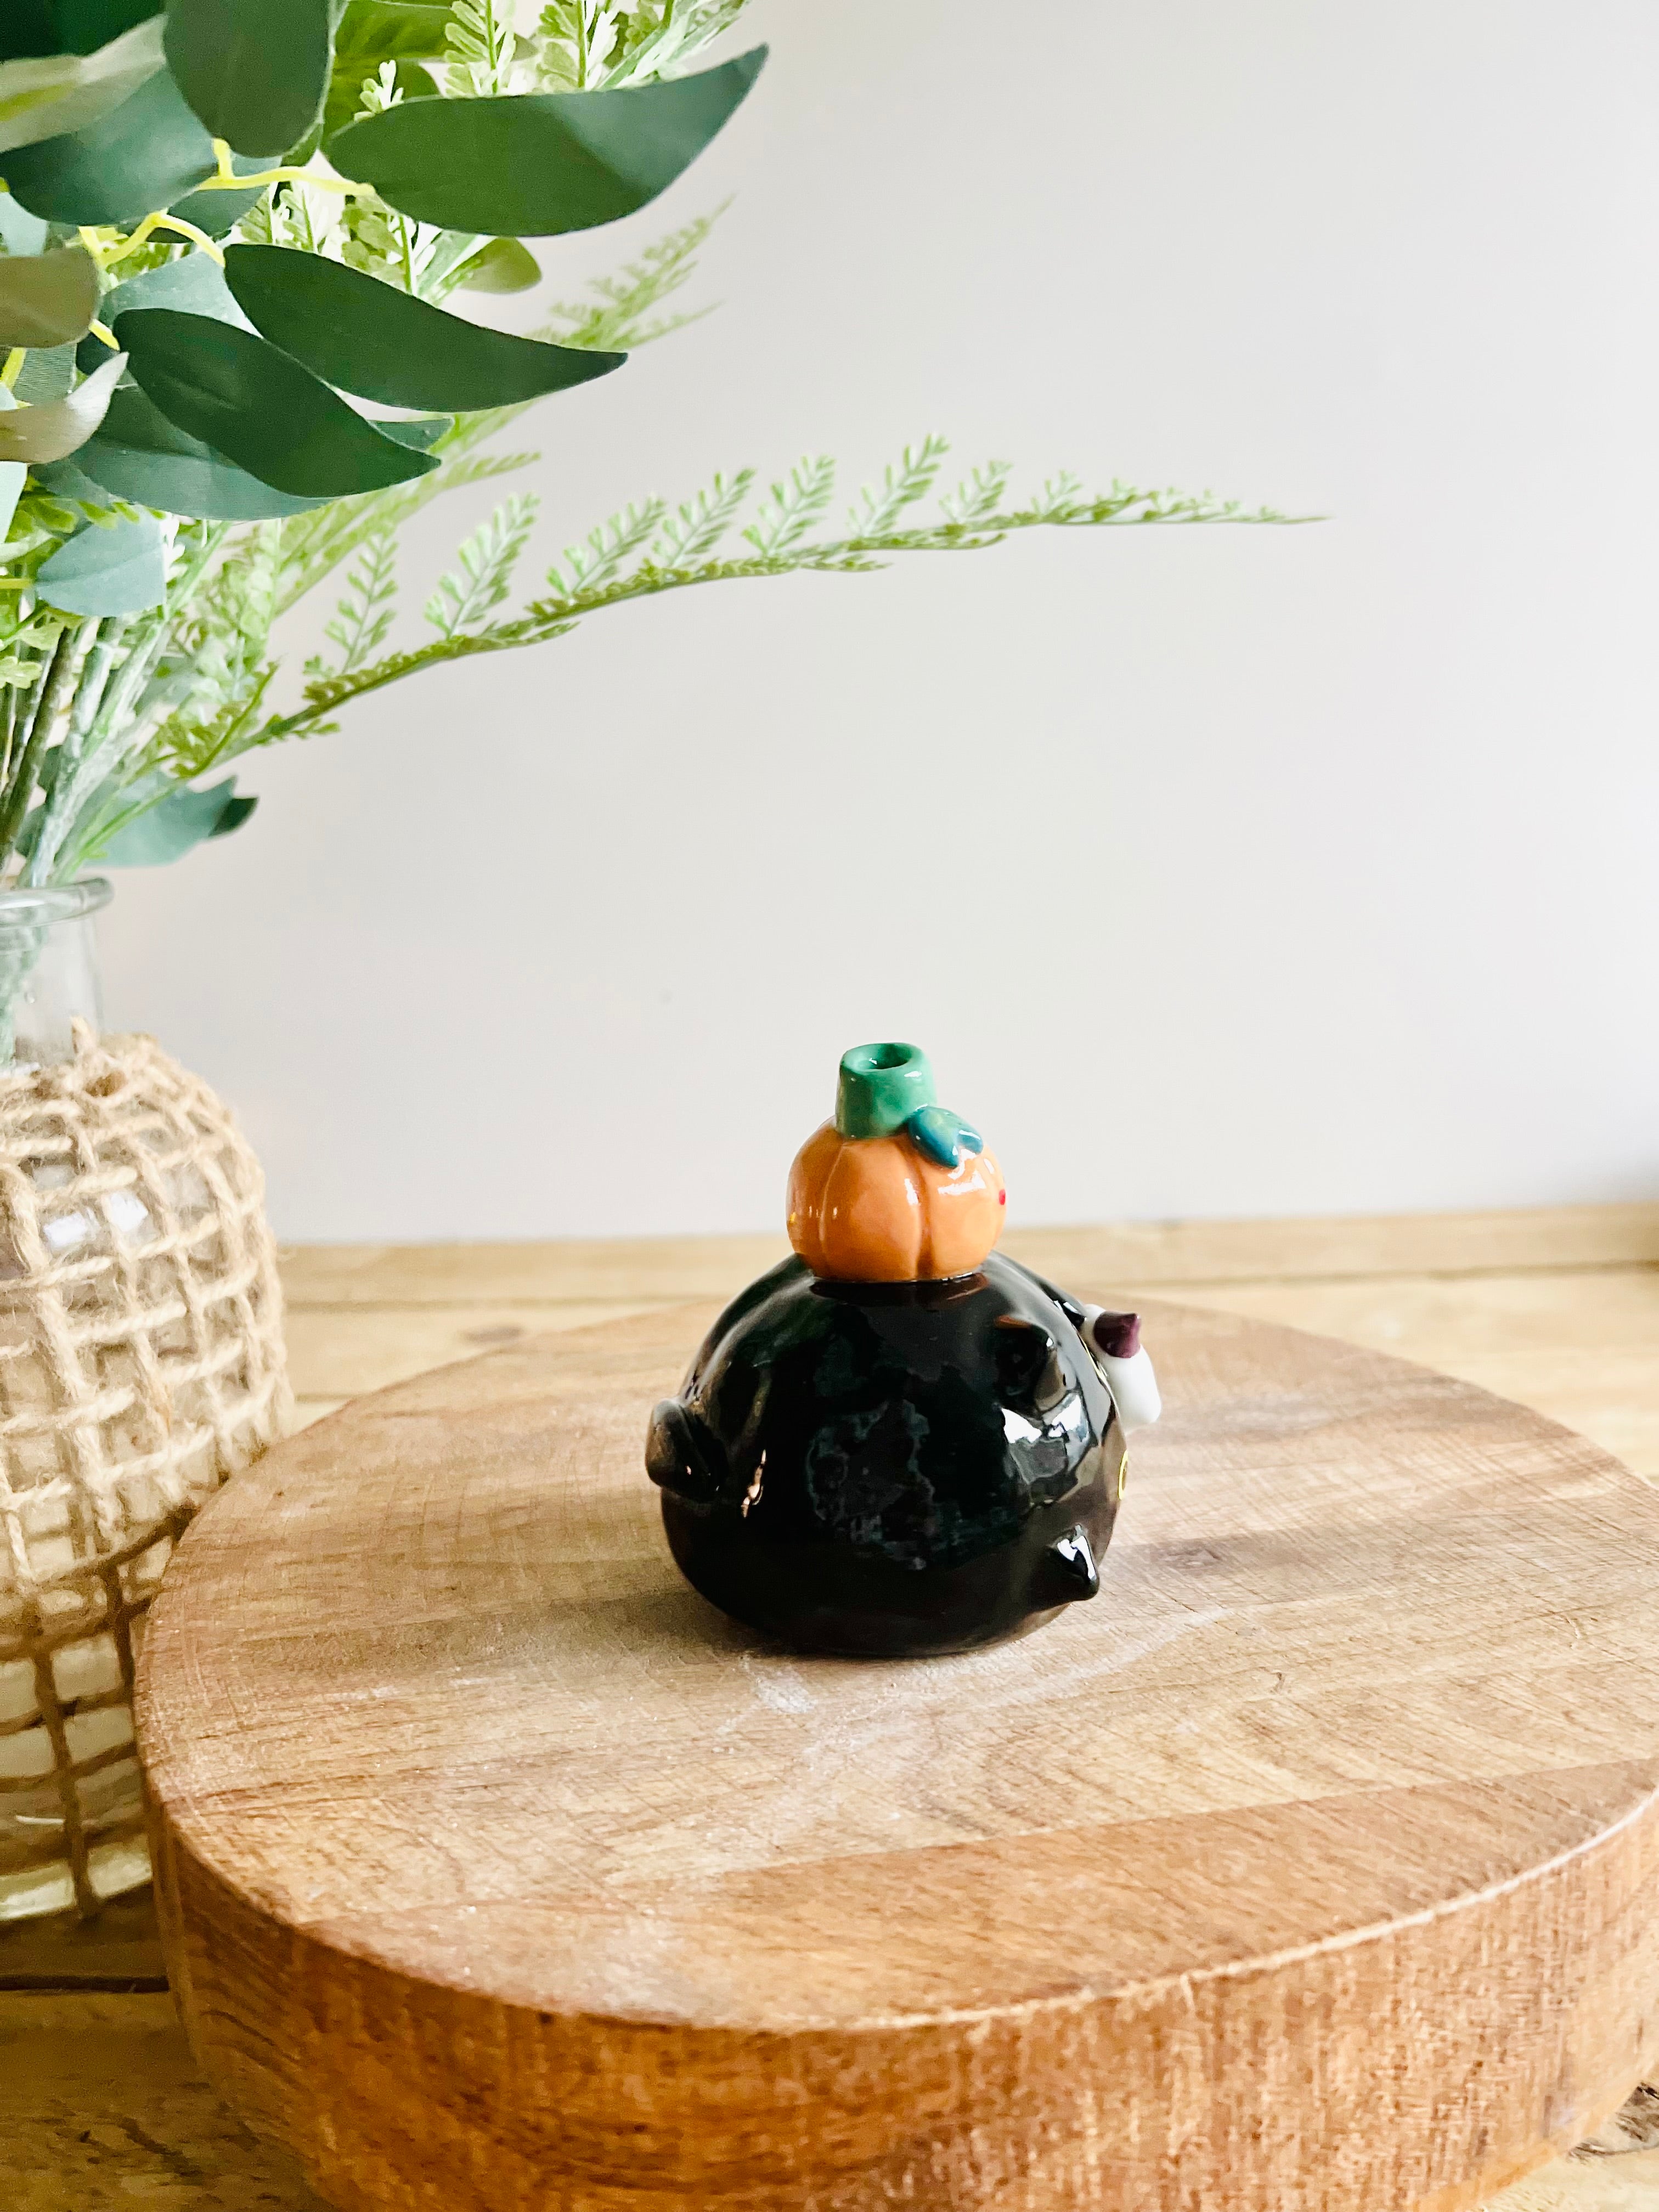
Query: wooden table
point(97, 2103)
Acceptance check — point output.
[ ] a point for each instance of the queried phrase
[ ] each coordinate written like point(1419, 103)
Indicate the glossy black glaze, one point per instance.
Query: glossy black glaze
point(888, 1470)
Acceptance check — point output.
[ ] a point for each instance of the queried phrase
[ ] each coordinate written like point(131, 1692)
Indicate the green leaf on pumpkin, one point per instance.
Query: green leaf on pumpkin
point(146, 154)
point(140, 456)
point(118, 568)
point(260, 408)
point(47, 299)
point(168, 828)
point(388, 346)
point(255, 72)
point(533, 164)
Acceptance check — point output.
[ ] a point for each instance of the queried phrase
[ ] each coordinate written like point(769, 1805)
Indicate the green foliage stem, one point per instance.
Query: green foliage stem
point(595, 577)
point(180, 511)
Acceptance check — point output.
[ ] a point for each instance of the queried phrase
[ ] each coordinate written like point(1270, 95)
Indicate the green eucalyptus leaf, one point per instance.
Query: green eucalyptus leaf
point(47, 299)
point(168, 828)
point(116, 569)
point(422, 433)
point(147, 154)
point(260, 407)
point(85, 25)
point(69, 480)
point(503, 266)
point(63, 426)
point(255, 72)
point(345, 88)
point(218, 213)
point(408, 38)
point(371, 32)
point(26, 29)
point(385, 345)
point(374, 31)
point(140, 456)
point(532, 164)
point(49, 372)
point(195, 284)
point(43, 98)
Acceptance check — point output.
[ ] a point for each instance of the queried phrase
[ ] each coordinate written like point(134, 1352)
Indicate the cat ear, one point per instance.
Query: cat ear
point(1116, 1334)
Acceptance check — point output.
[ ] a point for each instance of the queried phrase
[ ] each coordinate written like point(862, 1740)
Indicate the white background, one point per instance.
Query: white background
point(1220, 872)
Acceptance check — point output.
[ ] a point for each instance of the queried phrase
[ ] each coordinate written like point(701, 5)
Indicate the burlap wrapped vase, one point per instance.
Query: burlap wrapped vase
point(140, 1363)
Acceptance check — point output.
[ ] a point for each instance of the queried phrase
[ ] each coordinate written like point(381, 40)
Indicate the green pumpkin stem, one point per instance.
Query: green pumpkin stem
point(881, 1086)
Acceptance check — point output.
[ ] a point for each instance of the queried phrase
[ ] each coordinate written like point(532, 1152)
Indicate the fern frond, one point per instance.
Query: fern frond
point(975, 519)
point(904, 483)
point(364, 616)
point(793, 506)
point(695, 528)
point(977, 498)
point(586, 44)
point(1058, 495)
point(324, 693)
point(653, 42)
point(479, 46)
point(315, 543)
point(257, 227)
point(576, 39)
point(619, 318)
point(188, 748)
point(607, 550)
point(377, 93)
point(487, 561)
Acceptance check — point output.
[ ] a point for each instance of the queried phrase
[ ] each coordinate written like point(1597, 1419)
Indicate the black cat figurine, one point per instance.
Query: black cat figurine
point(899, 1443)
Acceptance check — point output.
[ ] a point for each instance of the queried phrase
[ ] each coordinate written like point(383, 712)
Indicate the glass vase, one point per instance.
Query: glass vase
point(140, 1363)
point(49, 975)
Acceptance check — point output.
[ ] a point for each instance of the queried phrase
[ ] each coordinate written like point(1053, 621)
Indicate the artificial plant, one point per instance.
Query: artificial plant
point(235, 233)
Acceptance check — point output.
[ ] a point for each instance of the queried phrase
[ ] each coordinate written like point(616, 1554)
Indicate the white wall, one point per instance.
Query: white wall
point(1225, 871)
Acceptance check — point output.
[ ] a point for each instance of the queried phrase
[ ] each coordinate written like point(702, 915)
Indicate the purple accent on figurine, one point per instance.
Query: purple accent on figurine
point(1118, 1335)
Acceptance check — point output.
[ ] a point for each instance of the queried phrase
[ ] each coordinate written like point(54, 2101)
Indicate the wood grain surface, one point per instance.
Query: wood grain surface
point(102, 2109)
point(113, 2075)
point(1314, 1865)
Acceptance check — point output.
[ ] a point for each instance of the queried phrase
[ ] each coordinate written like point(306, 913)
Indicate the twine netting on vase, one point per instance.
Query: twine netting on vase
point(140, 1363)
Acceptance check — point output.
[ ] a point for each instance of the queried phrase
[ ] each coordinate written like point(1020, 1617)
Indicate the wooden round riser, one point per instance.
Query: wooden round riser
point(1313, 1866)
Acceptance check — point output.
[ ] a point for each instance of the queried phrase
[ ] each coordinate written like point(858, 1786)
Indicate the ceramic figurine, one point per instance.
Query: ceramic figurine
point(899, 1442)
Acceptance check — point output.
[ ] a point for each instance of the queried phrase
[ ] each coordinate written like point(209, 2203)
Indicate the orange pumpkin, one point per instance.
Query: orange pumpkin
point(878, 1210)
